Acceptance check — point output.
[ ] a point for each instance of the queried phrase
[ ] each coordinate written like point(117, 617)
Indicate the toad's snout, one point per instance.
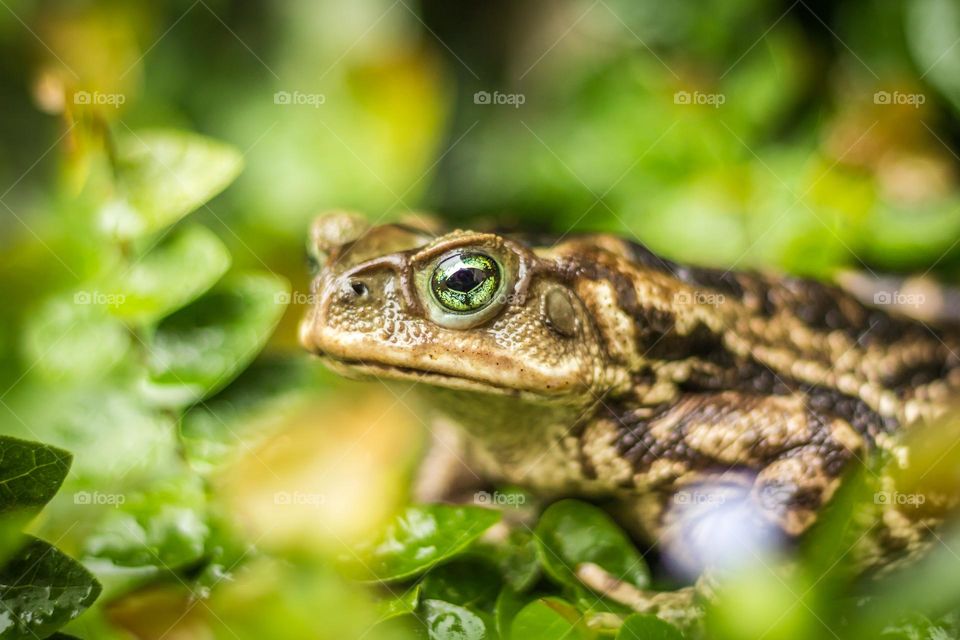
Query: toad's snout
point(359, 304)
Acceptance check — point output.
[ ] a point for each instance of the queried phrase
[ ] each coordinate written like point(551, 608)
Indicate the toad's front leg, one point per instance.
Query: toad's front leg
point(709, 450)
point(719, 476)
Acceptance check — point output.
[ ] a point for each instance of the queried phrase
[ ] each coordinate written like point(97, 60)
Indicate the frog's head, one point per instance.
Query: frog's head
point(466, 311)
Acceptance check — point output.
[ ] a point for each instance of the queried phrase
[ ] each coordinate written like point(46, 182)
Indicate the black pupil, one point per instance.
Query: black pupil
point(465, 279)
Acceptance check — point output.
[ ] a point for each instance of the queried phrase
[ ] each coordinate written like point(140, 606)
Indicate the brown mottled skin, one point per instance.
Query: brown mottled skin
point(604, 370)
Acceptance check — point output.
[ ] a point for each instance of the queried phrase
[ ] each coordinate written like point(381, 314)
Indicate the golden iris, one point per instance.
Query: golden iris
point(465, 282)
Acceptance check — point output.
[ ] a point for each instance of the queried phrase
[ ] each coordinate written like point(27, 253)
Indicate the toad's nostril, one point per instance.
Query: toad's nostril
point(359, 288)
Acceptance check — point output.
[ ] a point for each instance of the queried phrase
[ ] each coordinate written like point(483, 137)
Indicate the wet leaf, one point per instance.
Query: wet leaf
point(446, 621)
point(30, 473)
point(405, 604)
point(423, 536)
point(164, 525)
point(571, 532)
point(42, 589)
point(470, 582)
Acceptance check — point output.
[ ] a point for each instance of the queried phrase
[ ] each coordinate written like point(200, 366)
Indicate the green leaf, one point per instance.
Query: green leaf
point(929, 588)
point(405, 627)
point(647, 627)
point(913, 626)
point(423, 536)
point(508, 605)
point(201, 348)
point(446, 621)
point(402, 605)
point(547, 619)
point(41, 589)
point(74, 338)
point(841, 524)
point(30, 473)
point(762, 600)
point(108, 429)
point(245, 413)
point(225, 549)
point(289, 597)
point(518, 559)
point(571, 532)
point(163, 176)
point(470, 582)
point(933, 28)
point(164, 526)
point(169, 276)
point(904, 238)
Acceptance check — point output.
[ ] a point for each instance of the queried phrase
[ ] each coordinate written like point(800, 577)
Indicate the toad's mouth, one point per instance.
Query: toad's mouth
point(361, 370)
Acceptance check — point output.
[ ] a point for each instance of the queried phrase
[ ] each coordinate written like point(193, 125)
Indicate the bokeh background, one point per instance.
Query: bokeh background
point(148, 307)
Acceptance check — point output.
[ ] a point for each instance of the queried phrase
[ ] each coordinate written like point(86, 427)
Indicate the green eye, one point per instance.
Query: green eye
point(465, 282)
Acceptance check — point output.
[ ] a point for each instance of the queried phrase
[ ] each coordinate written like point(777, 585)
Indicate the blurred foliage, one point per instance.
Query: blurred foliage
point(162, 160)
